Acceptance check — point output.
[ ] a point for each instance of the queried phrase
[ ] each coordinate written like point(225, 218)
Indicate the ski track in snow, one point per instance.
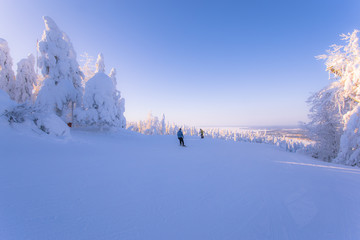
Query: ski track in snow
point(130, 186)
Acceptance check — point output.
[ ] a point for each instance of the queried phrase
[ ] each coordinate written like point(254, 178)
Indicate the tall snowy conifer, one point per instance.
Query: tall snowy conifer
point(63, 77)
point(337, 106)
point(25, 79)
point(7, 77)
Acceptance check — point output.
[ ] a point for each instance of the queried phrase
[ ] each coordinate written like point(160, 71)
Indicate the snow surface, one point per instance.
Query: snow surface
point(102, 185)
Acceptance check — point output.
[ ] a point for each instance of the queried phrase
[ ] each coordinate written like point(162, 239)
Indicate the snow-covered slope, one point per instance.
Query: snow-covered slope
point(129, 186)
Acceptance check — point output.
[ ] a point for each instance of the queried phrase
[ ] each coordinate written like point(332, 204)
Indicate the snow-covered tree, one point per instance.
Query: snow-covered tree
point(120, 102)
point(7, 77)
point(112, 75)
point(25, 79)
point(63, 78)
point(151, 125)
point(350, 140)
point(121, 112)
point(334, 110)
point(102, 102)
point(88, 67)
point(99, 104)
point(326, 125)
point(100, 64)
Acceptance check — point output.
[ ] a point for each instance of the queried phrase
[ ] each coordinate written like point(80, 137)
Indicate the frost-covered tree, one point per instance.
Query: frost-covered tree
point(100, 64)
point(88, 67)
point(335, 108)
point(112, 75)
point(7, 77)
point(63, 78)
point(151, 125)
point(25, 79)
point(121, 112)
point(350, 140)
point(326, 125)
point(101, 102)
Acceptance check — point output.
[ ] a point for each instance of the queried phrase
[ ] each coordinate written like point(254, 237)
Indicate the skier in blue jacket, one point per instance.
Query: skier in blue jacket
point(181, 137)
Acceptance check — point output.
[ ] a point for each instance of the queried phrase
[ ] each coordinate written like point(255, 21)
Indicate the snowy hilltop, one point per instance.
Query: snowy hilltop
point(125, 185)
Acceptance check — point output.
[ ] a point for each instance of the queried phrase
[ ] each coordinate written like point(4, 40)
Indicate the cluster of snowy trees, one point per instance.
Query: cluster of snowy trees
point(19, 88)
point(153, 126)
point(261, 136)
point(63, 90)
point(335, 109)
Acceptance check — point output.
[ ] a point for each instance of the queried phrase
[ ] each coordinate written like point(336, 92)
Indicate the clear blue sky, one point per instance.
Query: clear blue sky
point(199, 62)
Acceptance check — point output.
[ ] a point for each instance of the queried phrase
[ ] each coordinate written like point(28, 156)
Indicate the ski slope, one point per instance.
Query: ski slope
point(129, 186)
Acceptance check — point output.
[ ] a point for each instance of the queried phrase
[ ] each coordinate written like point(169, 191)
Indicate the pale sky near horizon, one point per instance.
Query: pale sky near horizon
point(198, 62)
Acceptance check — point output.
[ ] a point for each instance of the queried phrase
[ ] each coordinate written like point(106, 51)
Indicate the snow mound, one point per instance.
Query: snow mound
point(5, 102)
point(53, 125)
point(25, 118)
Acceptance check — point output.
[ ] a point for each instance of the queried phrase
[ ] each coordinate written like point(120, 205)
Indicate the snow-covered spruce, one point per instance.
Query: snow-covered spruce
point(88, 67)
point(25, 79)
point(102, 105)
point(326, 125)
point(7, 77)
point(62, 86)
point(100, 64)
point(334, 110)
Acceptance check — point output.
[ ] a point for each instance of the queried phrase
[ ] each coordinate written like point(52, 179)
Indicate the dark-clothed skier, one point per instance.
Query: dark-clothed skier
point(201, 133)
point(181, 137)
